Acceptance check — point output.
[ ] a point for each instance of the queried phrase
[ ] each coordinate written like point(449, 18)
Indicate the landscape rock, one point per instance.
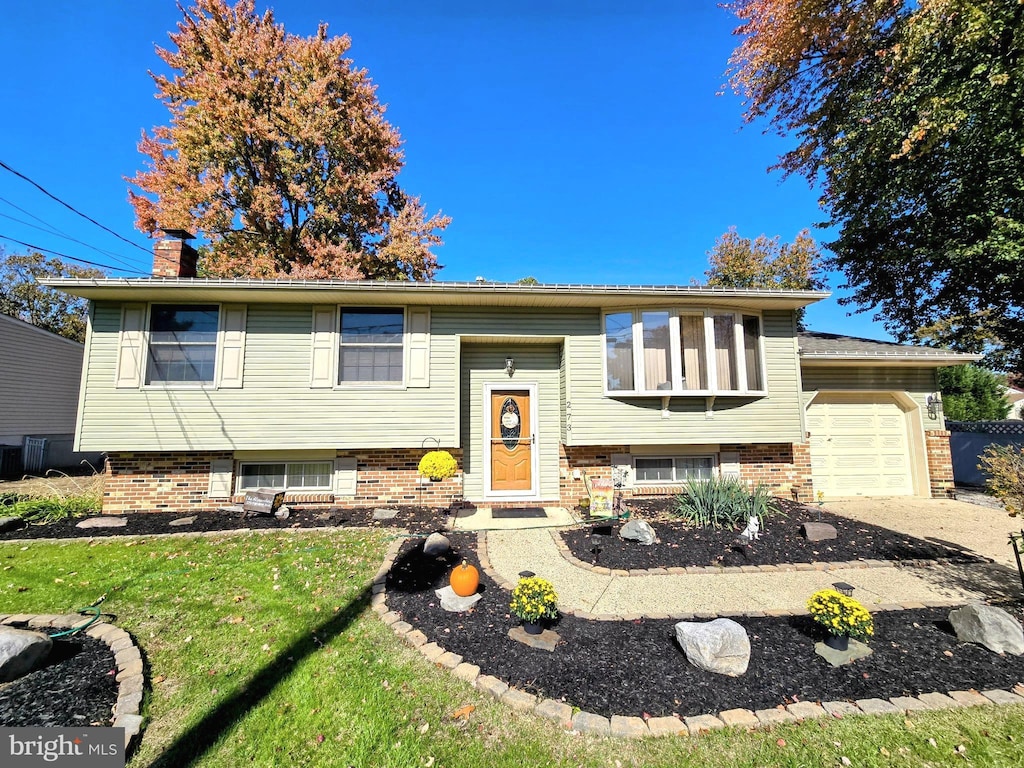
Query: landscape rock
point(103, 521)
point(720, 646)
point(855, 650)
point(456, 603)
point(385, 514)
point(20, 651)
point(181, 521)
point(638, 530)
point(545, 641)
point(989, 626)
point(11, 524)
point(436, 544)
point(818, 531)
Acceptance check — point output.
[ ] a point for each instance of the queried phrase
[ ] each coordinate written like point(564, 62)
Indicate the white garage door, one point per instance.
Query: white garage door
point(859, 446)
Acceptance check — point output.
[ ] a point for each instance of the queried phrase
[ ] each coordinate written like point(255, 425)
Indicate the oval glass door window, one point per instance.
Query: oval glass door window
point(511, 423)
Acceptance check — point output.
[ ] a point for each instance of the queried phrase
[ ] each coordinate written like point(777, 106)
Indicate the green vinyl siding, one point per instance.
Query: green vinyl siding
point(275, 409)
point(537, 364)
point(917, 382)
point(598, 419)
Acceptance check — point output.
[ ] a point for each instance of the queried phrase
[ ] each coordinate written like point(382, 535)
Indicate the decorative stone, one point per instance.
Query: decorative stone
point(385, 514)
point(720, 646)
point(11, 524)
point(20, 651)
point(989, 626)
point(739, 718)
point(545, 641)
point(558, 711)
point(700, 723)
point(818, 531)
point(624, 727)
point(840, 708)
point(436, 544)
point(855, 650)
point(666, 726)
point(103, 521)
point(455, 603)
point(182, 521)
point(588, 722)
point(639, 531)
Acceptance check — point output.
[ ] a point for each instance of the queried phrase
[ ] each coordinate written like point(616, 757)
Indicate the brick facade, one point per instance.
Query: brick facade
point(940, 463)
point(180, 482)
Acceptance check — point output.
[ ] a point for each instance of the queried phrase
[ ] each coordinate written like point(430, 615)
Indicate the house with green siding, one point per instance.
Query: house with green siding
point(201, 389)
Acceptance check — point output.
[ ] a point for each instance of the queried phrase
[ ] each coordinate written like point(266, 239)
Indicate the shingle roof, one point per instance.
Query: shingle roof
point(833, 346)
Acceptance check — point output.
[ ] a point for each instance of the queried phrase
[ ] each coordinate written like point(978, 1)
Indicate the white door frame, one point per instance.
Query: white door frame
point(531, 390)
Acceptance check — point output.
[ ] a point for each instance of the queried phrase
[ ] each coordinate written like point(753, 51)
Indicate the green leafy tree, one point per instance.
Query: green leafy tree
point(908, 116)
point(23, 297)
point(971, 393)
point(765, 262)
point(279, 154)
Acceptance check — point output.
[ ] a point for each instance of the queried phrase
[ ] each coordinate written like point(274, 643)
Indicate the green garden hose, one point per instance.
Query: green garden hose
point(93, 609)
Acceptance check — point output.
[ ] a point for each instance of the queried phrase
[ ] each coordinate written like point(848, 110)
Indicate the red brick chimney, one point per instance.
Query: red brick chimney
point(173, 256)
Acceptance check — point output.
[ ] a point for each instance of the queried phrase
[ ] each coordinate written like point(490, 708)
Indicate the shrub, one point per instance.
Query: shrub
point(534, 599)
point(1004, 465)
point(439, 465)
point(724, 502)
point(841, 615)
point(50, 509)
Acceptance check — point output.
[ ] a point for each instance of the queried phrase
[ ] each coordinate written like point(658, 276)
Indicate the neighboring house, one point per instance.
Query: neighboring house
point(202, 388)
point(1015, 396)
point(39, 381)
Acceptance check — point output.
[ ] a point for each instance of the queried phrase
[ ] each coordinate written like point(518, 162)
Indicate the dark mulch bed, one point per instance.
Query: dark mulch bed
point(780, 542)
point(414, 519)
point(76, 686)
point(636, 668)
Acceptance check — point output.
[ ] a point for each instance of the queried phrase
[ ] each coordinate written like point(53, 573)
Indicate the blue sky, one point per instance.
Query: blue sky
point(575, 142)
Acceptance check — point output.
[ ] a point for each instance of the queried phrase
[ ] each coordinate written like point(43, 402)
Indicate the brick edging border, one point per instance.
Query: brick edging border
point(817, 565)
point(622, 726)
point(126, 655)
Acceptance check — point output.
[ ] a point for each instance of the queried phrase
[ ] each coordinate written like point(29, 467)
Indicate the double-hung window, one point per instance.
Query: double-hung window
point(291, 476)
point(182, 343)
point(670, 351)
point(371, 348)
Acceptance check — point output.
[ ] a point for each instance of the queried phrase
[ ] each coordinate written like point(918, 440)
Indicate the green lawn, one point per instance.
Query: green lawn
point(262, 651)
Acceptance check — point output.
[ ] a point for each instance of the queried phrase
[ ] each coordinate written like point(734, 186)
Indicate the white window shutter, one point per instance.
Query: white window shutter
point(220, 478)
point(729, 464)
point(324, 342)
point(418, 368)
point(622, 470)
point(232, 344)
point(345, 476)
point(131, 349)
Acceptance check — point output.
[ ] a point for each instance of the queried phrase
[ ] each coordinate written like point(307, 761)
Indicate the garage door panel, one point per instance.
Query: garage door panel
point(859, 446)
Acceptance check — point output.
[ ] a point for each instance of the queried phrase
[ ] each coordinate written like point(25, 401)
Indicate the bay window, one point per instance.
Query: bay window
point(667, 351)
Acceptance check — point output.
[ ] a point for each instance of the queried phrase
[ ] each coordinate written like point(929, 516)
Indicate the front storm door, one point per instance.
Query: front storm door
point(511, 441)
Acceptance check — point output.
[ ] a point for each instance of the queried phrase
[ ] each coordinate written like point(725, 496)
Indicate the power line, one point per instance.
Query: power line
point(71, 258)
point(50, 230)
point(70, 207)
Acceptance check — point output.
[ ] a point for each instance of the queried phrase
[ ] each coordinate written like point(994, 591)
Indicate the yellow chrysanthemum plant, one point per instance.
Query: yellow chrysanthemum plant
point(841, 615)
point(534, 599)
point(438, 465)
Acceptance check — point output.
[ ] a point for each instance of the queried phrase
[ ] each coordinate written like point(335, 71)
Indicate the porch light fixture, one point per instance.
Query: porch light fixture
point(510, 366)
point(844, 588)
point(934, 403)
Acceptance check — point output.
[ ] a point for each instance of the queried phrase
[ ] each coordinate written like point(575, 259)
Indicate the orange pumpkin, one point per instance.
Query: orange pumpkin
point(465, 579)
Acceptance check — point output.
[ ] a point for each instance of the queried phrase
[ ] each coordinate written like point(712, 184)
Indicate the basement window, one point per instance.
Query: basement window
point(289, 476)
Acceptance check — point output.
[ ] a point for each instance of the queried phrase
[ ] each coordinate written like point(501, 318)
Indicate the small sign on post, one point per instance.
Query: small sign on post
point(262, 501)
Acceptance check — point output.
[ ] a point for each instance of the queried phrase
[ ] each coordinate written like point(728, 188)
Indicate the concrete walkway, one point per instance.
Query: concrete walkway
point(581, 590)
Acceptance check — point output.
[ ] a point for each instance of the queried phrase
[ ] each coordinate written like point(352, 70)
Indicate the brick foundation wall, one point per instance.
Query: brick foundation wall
point(595, 461)
point(940, 463)
point(180, 482)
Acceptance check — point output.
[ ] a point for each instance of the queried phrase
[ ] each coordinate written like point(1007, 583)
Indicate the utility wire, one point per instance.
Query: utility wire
point(71, 258)
point(70, 207)
point(57, 233)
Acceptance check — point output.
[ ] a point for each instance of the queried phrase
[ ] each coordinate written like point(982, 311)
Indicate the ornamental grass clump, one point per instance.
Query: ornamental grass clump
point(841, 615)
point(438, 465)
point(534, 599)
point(724, 502)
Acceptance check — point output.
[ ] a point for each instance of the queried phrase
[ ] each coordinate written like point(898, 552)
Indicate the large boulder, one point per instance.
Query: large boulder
point(436, 544)
point(638, 530)
point(818, 531)
point(21, 651)
point(989, 626)
point(719, 646)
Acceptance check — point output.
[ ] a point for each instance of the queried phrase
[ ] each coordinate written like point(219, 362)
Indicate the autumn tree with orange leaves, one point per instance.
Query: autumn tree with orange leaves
point(278, 153)
point(908, 116)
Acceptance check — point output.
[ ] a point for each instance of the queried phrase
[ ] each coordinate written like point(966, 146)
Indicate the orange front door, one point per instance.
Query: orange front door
point(511, 441)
